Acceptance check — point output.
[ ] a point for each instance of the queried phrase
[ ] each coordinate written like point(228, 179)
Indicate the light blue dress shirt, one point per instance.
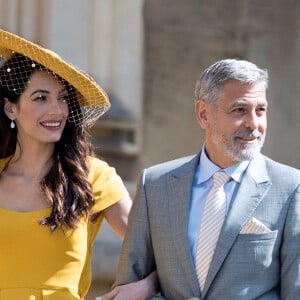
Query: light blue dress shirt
point(201, 186)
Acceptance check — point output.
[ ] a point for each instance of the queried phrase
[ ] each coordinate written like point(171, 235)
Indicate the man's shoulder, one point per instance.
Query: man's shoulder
point(281, 174)
point(280, 167)
point(176, 166)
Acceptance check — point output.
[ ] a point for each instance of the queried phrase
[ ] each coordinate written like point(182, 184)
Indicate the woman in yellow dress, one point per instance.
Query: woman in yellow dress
point(54, 193)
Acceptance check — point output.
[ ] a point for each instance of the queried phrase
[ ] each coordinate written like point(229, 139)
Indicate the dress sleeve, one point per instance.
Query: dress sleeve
point(108, 189)
point(107, 185)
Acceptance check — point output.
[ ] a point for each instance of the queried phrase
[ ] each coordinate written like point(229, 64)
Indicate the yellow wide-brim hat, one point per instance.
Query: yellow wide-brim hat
point(91, 97)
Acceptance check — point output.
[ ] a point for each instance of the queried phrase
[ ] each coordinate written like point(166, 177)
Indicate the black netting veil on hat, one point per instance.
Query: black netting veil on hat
point(19, 59)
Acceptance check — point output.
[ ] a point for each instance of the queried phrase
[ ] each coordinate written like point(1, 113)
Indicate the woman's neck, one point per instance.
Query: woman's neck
point(31, 162)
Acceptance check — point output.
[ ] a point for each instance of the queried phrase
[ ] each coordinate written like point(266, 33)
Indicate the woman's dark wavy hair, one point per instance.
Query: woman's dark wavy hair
point(66, 185)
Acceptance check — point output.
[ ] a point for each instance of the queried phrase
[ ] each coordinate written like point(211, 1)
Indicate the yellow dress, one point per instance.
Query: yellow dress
point(36, 264)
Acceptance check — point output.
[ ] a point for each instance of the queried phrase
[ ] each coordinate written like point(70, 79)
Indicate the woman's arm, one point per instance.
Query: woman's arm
point(117, 215)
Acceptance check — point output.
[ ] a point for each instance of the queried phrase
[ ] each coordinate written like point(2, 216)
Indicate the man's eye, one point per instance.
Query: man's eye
point(262, 109)
point(239, 109)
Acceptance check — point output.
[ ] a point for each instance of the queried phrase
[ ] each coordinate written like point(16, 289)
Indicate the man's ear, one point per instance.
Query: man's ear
point(9, 109)
point(201, 113)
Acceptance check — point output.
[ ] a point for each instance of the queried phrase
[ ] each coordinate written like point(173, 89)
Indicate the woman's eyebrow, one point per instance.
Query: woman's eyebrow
point(40, 91)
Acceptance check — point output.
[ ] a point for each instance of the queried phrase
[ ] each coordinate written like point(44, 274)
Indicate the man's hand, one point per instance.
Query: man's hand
point(130, 291)
point(139, 290)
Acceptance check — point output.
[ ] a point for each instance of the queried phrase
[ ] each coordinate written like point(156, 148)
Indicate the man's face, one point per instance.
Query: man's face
point(236, 124)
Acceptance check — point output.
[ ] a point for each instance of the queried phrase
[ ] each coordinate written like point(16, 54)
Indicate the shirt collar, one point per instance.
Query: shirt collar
point(206, 168)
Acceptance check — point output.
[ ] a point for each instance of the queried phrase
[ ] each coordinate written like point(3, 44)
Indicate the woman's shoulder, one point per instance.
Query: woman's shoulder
point(107, 185)
point(96, 162)
point(97, 166)
point(100, 170)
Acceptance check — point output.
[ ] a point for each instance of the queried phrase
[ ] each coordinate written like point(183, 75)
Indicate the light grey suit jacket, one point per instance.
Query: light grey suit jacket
point(258, 265)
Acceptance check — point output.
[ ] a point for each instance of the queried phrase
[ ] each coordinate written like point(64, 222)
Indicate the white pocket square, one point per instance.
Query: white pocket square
point(254, 226)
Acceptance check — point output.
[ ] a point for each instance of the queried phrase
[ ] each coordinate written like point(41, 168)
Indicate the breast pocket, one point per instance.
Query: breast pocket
point(255, 249)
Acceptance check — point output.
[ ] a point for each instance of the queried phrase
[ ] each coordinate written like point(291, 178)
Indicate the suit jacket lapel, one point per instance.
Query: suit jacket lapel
point(179, 194)
point(253, 187)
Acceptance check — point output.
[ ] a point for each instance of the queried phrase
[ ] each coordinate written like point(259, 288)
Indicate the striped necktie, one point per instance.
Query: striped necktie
point(211, 224)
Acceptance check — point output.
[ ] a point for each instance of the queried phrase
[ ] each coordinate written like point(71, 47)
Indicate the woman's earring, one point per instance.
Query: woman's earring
point(12, 124)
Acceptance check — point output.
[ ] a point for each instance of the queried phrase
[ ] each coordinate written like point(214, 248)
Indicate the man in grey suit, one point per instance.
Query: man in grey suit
point(257, 251)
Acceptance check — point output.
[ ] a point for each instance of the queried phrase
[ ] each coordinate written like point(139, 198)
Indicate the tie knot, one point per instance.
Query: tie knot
point(220, 178)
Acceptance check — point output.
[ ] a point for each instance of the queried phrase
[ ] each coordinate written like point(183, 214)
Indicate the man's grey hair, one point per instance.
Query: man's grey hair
point(214, 77)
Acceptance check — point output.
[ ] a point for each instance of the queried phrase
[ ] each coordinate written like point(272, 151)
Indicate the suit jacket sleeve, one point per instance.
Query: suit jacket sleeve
point(137, 257)
point(290, 250)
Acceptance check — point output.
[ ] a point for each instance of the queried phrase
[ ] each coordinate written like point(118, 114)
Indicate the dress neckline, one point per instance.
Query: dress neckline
point(30, 212)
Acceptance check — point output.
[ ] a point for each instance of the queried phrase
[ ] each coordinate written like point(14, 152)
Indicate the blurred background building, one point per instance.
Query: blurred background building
point(147, 55)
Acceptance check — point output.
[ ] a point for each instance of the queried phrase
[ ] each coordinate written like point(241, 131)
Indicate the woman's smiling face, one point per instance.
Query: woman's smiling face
point(42, 110)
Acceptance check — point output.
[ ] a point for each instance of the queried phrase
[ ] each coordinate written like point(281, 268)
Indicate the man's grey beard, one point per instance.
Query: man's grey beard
point(238, 152)
point(248, 153)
